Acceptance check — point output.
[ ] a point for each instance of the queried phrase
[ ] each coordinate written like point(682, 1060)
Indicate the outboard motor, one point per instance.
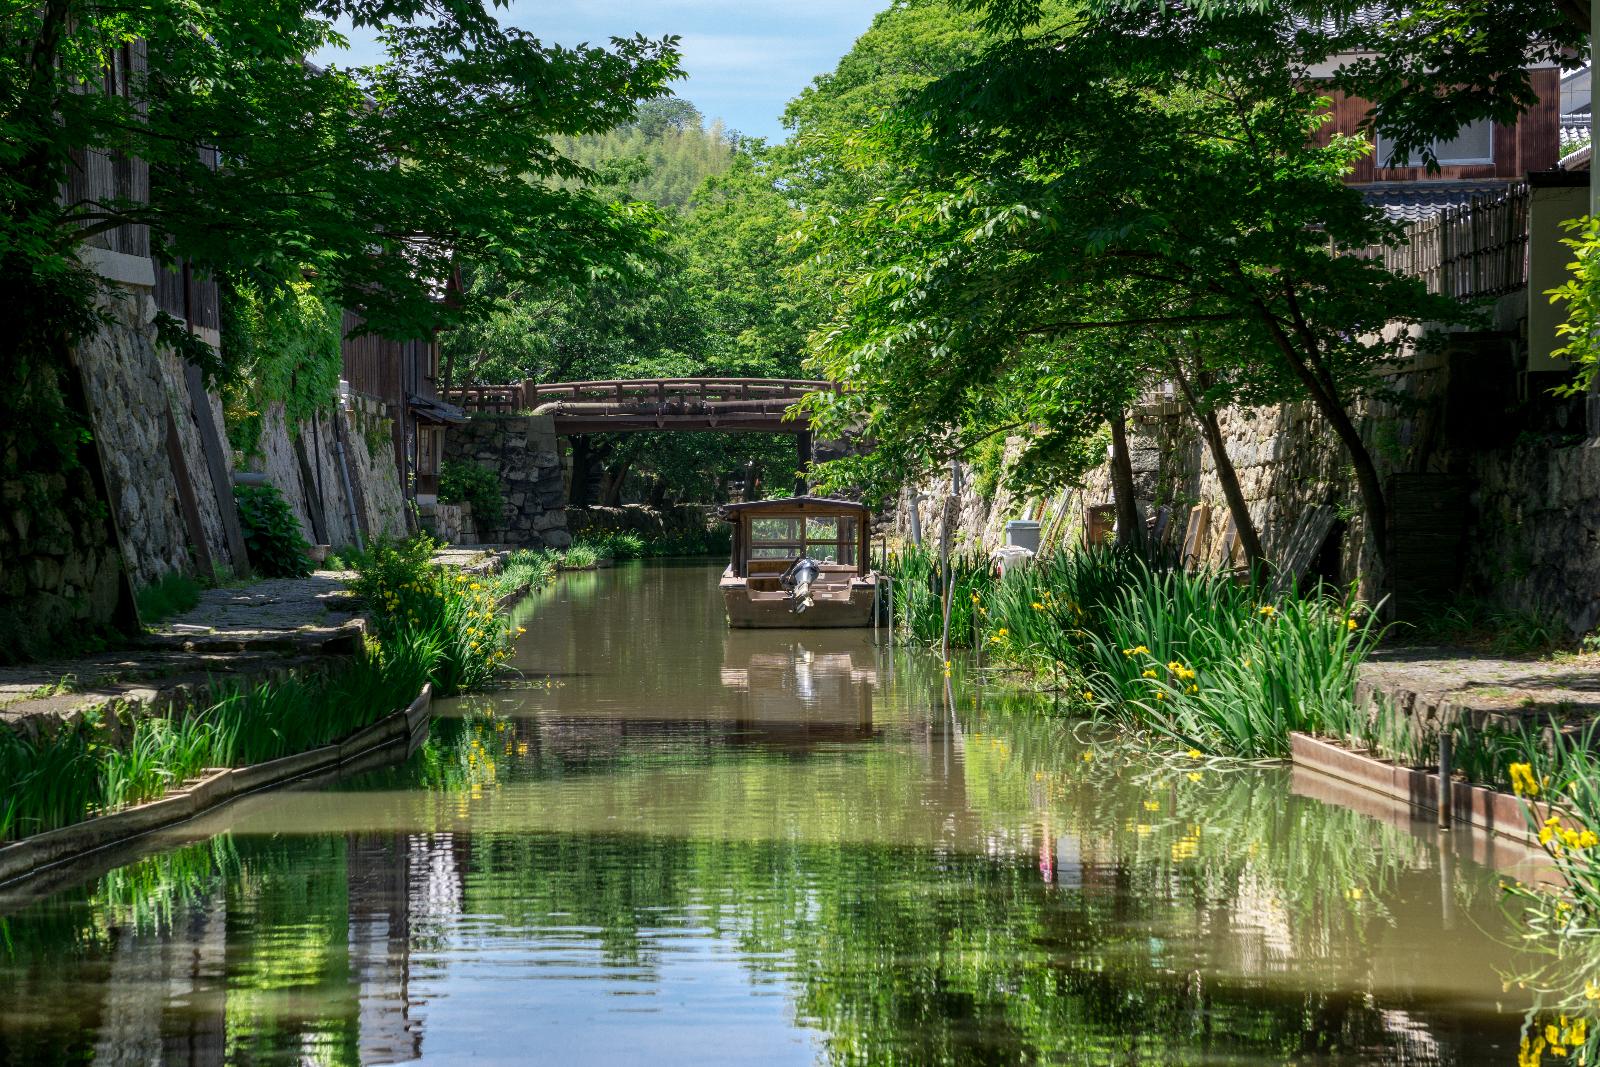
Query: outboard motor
point(797, 580)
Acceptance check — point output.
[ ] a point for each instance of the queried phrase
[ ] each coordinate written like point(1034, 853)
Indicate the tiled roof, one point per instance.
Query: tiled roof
point(1412, 201)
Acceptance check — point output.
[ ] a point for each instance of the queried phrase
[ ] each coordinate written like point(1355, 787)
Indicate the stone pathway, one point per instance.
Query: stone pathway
point(268, 625)
point(1446, 683)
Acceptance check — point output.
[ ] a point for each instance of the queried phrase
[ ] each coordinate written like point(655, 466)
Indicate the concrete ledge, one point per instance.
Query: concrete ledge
point(1418, 790)
point(119, 267)
point(31, 855)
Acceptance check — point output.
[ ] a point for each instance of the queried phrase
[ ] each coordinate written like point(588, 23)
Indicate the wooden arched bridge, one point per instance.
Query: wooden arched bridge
point(692, 404)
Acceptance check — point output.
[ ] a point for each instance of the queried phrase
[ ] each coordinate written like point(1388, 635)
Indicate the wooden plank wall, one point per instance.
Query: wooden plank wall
point(1533, 143)
point(101, 177)
point(372, 365)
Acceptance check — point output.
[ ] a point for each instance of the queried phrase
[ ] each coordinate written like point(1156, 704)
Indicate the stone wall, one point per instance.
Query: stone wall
point(525, 454)
point(374, 476)
point(60, 573)
point(1526, 535)
point(131, 388)
point(1536, 538)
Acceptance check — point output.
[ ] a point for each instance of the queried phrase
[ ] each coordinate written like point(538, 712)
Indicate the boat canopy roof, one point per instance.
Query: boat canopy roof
point(819, 504)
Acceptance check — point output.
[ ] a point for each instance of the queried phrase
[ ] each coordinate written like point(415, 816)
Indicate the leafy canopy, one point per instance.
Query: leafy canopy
point(1061, 207)
point(380, 178)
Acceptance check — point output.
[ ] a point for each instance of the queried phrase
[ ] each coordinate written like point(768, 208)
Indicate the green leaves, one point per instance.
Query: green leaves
point(1582, 295)
point(385, 177)
point(271, 532)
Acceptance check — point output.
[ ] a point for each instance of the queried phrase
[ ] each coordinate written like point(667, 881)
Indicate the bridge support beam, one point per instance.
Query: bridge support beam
point(802, 442)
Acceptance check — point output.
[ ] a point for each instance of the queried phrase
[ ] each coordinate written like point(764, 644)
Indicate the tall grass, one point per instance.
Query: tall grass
point(173, 594)
point(1197, 658)
point(531, 568)
point(583, 555)
point(918, 604)
point(429, 624)
point(617, 545)
point(413, 600)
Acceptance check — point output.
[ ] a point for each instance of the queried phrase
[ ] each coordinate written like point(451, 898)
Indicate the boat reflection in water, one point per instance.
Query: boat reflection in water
point(804, 686)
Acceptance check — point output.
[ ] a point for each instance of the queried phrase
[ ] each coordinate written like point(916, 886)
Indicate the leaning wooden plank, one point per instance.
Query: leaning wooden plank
point(1194, 538)
point(1305, 543)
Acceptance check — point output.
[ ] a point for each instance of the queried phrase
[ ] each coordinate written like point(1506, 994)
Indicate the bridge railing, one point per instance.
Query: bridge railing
point(527, 395)
point(663, 390)
point(495, 399)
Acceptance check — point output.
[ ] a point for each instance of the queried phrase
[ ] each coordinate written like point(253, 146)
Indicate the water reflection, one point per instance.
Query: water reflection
point(806, 686)
point(680, 844)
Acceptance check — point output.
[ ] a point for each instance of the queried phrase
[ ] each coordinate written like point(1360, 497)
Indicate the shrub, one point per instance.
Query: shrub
point(411, 599)
point(475, 485)
point(271, 532)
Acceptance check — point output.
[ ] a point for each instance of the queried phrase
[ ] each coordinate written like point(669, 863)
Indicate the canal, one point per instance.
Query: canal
point(675, 844)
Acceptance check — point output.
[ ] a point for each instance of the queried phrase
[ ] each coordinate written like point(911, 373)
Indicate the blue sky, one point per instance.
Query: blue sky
point(745, 58)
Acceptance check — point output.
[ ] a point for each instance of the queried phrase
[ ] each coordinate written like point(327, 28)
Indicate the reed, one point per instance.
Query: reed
point(918, 594)
point(1199, 659)
point(429, 625)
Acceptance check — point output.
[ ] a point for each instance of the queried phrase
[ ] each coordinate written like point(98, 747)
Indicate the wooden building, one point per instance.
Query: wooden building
point(404, 375)
point(1483, 159)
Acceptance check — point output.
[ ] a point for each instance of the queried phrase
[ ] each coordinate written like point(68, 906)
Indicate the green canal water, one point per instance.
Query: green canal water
point(675, 844)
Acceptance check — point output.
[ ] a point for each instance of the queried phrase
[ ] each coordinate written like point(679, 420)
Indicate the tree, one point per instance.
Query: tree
point(264, 169)
point(381, 178)
point(712, 298)
point(1428, 67)
point(1119, 172)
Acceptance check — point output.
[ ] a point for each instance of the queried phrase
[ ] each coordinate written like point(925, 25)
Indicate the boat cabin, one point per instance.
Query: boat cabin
point(770, 535)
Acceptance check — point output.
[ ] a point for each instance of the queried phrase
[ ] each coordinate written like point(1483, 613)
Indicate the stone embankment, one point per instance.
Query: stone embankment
point(1437, 686)
point(525, 456)
point(252, 631)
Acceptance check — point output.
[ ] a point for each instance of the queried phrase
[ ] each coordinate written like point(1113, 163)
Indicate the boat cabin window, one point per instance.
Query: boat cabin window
point(825, 538)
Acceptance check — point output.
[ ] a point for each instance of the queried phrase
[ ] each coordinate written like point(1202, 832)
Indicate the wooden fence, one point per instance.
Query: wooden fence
point(1476, 250)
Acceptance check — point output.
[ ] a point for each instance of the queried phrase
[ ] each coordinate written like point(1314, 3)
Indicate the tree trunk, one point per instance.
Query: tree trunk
point(615, 478)
point(1227, 476)
point(1130, 531)
point(1373, 504)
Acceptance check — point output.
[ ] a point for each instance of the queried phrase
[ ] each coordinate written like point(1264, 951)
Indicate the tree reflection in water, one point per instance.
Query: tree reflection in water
point(923, 884)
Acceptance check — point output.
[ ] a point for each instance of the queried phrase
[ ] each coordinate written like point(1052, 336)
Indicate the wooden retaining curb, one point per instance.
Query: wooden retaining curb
point(213, 789)
point(1488, 809)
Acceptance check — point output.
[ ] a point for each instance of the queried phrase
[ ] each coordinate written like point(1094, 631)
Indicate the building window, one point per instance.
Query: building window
point(430, 443)
point(1473, 144)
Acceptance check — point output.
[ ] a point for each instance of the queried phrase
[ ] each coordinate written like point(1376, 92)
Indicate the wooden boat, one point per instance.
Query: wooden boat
point(799, 562)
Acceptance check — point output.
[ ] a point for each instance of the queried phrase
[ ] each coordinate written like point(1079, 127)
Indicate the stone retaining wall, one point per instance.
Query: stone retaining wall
point(131, 388)
point(375, 479)
point(1526, 535)
point(525, 455)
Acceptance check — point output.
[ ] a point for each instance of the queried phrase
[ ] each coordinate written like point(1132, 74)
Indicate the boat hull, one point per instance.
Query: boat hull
point(831, 608)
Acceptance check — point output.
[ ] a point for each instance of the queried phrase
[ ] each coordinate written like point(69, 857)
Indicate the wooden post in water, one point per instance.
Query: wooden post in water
point(1444, 779)
point(951, 505)
point(875, 620)
point(890, 582)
